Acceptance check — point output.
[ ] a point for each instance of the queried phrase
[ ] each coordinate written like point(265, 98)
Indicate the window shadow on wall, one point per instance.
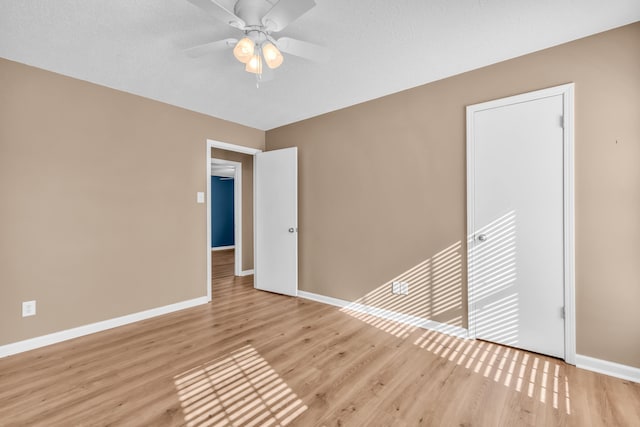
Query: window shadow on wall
point(434, 294)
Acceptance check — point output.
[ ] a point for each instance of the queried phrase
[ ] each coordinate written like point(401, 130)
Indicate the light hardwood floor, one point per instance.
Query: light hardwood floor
point(222, 263)
point(256, 358)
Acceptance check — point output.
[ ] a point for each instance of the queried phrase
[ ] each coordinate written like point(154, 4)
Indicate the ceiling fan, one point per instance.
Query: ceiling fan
point(259, 20)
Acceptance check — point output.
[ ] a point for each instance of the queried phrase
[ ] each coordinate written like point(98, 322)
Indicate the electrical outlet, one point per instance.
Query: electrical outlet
point(400, 288)
point(28, 308)
point(200, 197)
point(395, 287)
point(404, 288)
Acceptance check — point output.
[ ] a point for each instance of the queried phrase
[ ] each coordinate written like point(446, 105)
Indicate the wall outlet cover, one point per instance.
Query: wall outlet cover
point(400, 288)
point(28, 308)
point(395, 287)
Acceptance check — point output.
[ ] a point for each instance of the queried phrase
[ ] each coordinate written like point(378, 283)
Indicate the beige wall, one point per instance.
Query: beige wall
point(247, 201)
point(98, 201)
point(382, 190)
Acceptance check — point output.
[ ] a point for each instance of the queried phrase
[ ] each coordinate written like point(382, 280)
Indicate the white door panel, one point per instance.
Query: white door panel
point(276, 221)
point(518, 245)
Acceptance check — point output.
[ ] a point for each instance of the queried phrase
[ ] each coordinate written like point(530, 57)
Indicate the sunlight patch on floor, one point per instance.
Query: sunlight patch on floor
point(241, 389)
point(543, 380)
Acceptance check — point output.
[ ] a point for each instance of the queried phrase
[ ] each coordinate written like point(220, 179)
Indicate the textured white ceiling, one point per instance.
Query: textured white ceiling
point(377, 47)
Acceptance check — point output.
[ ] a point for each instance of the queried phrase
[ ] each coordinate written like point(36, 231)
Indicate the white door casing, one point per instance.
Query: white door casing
point(520, 221)
point(276, 221)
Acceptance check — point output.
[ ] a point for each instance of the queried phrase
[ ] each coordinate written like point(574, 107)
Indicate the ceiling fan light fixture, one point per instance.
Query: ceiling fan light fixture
point(272, 55)
point(254, 65)
point(244, 50)
point(258, 19)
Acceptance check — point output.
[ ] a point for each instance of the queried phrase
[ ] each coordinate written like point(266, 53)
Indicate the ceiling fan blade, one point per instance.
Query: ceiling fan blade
point(218, 11)
point(305, 50)
point(206, 48)
point(285, 12)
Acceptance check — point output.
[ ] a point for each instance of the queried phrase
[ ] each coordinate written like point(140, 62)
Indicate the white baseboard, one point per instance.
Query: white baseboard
point(323, 299)
point(612, 369)
point(56, 337)
point(387, 314)
point(222, 248)
point(246, 272)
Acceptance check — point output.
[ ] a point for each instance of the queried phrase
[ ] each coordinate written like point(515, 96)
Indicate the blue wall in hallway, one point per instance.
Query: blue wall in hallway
point(222, 233)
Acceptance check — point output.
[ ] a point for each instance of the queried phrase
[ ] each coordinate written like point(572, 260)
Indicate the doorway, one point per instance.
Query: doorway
point(226, 215)
point(275, 226)
point(520, 221)
point(240, 232)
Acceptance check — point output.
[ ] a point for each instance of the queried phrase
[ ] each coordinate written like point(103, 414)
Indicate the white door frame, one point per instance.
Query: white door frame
point(237, 211)
point(229, 147)
point(567, 92)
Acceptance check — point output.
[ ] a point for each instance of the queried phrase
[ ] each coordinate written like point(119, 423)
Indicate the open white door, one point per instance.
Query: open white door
point(276, 221)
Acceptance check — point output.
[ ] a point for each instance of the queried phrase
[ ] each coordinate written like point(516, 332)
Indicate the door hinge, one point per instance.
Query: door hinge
point(562, 312)
point(562, 122)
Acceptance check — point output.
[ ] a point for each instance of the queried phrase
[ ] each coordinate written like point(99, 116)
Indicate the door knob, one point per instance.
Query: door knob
point(482, 237)
point(291, 230)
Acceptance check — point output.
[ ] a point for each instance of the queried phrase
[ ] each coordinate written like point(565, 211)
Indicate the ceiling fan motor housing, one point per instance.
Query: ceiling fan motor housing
point(252, 11)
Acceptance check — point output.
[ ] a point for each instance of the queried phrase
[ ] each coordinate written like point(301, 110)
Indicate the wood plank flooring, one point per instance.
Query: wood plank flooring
point(222, 263)
point(256, 358)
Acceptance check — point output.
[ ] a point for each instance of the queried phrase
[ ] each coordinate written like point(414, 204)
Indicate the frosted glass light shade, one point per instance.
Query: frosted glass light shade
point(244, 50)
point(272, 55)
point(254, 65)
